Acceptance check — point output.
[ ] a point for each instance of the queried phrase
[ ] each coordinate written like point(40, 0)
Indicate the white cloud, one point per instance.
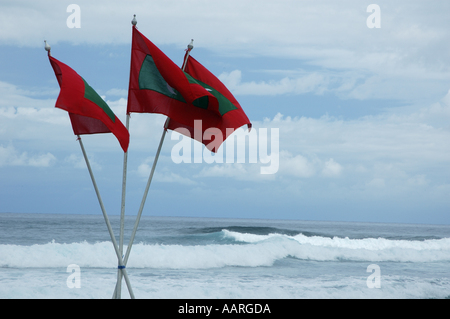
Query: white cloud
point(9, 156)
point(15, 97)
point(78, 161)
point(297, 166)
point(170, 177)
point(418, 180)
point(411, 142)
point(237, 171)
point(410, 148)
point(332, 168)
point(326, 32)
point(26, 117)
point(404, 59)
point(116, 92)
point(303, 83)
point(43, 160)
point(324, 47)
point(162, 175)
point(377, 183)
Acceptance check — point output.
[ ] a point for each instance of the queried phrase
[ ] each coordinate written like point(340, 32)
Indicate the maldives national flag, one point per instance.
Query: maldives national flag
point(88, 112)
point(157, 85)
point(231, 115)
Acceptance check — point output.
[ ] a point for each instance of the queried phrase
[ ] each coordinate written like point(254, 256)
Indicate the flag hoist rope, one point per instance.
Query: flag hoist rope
point(108, 224)
point(116, 293)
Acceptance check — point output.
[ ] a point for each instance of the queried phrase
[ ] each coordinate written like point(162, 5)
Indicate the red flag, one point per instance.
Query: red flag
point(88, 112)
point(157, 85)
point(232, 116)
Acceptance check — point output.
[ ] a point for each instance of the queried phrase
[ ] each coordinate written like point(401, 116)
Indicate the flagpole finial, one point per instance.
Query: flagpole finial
point(134, 21)
point(47, 47)
point(191, 45)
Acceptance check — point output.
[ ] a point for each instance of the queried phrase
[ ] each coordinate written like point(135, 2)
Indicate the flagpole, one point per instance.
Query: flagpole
point(150, 178)
point(144, 197)
point(118, 290)
point(190, 47)
point(108, 224)
point(141, 208)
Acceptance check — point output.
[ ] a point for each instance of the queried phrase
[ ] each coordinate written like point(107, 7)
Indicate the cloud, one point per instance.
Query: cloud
point(376, 183)
point(327, 33)
point(303, 83)
point(237, 171)
point(403, 60)
point(27, 117)
point(15, 97)
point(9, 156)
point(390, 149)
point(332, 168)
point(78, 161)
point(162, 175)
point(286, 49)
point(297, 166)
point(419, 180)
point(116, 92)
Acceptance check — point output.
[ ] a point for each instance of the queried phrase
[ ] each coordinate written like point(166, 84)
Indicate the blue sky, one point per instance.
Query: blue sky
point(363, 113)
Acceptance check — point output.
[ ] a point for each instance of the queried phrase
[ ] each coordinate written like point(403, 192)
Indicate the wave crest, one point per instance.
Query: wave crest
point(242, 250)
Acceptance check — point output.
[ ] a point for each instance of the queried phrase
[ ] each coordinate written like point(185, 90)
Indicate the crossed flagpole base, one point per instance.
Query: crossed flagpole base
point(108, 224)
point(118, 249)
point(117, 291)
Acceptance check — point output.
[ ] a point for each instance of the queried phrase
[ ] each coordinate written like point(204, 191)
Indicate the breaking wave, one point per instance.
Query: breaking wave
point(240, 250)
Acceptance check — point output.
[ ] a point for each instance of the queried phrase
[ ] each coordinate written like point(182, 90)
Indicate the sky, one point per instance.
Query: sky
point(358, 117)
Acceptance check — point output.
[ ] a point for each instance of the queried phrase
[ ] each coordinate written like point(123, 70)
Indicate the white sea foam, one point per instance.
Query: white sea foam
point(368, 249)
point(99, 283)
point(366, 243)
point(257, 251)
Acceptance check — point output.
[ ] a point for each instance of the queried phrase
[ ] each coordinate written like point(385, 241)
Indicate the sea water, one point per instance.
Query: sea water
point(180, 257)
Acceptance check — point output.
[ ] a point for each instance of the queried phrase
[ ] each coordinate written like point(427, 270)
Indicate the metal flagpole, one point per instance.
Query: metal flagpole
point(118, 290)
point(190, 47)
point(113, 239)
point(141, 208)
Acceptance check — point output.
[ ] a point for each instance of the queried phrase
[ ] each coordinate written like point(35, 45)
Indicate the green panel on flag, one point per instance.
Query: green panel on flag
point(91, 95)
point(151, 79)
point(225, 105)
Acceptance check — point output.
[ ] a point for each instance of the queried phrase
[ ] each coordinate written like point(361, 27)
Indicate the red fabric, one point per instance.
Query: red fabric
point(147, 101)
point(231, 120)
point(181, 114)
point(86, 116)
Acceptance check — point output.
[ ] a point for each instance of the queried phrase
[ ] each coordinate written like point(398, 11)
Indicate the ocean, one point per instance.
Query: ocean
point(61, 256)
